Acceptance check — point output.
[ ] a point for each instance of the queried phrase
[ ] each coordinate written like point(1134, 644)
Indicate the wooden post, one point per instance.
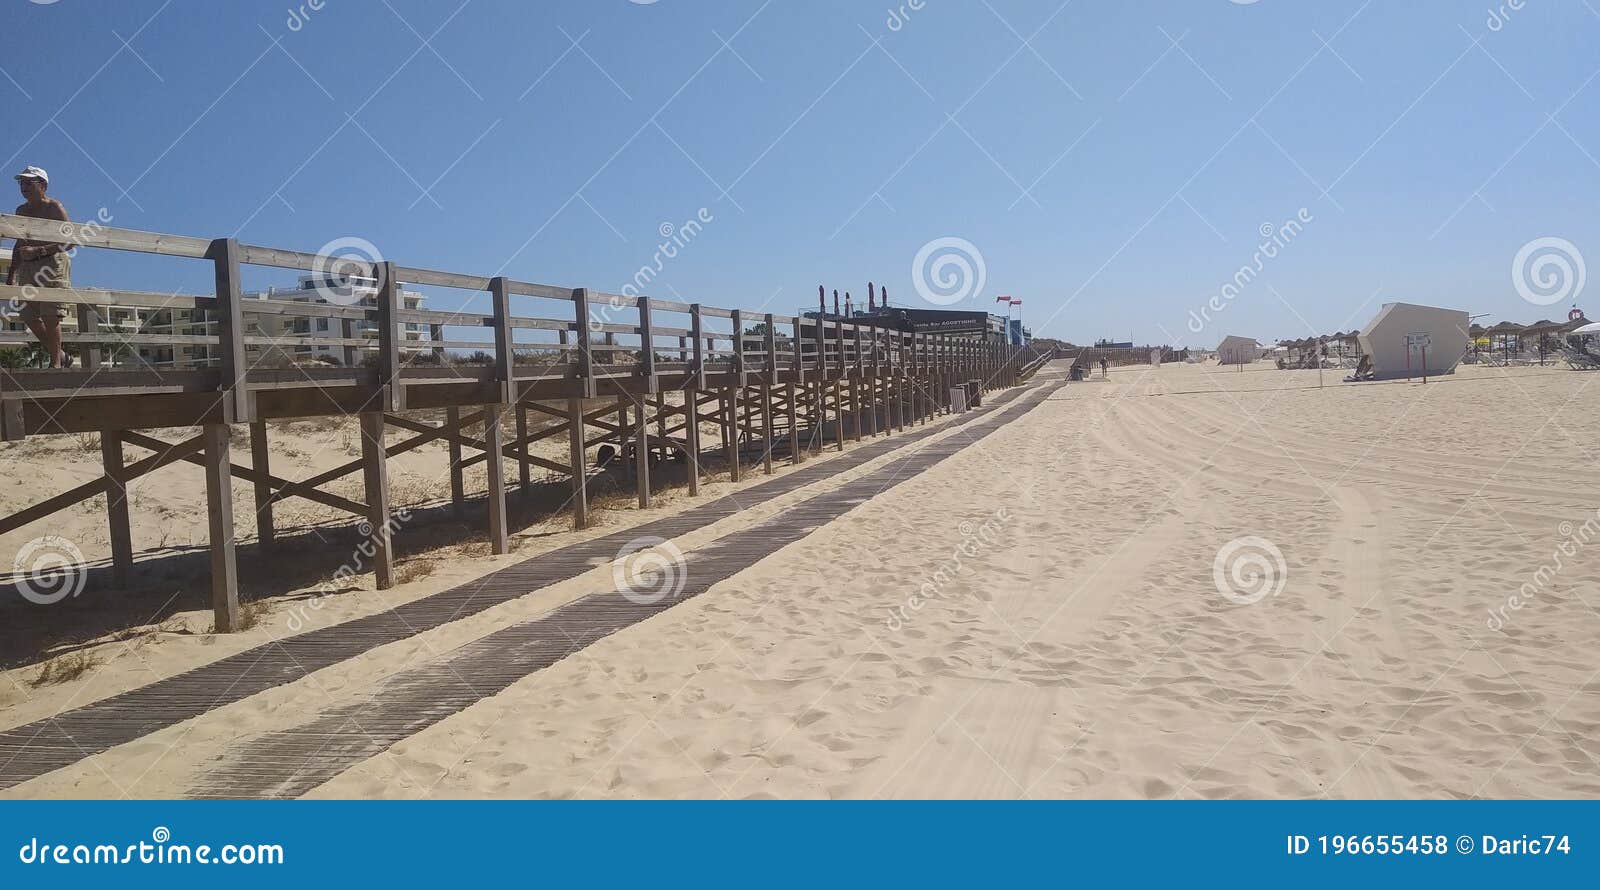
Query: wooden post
point(586, 382)
point(661, 424)
point(766, 428)
point(797, 386)
point(647, 348)
point(730, 426)
point(580, 468)
point(389, 305)
point(817, 419)
point(499, 534)
point(458, 495)
point(261, 462)
point(117, 507)
point(224, 254)
point(722, 425)
point(347, 331)
point(872, 385)
point(839, 388)
point(505, 357)
point(641, 450)
point(375, 472)
point(942, 374)
point(771, 377)
point(914, 377)
point(697, 371)
point(219, 502)
point(691, 431)
point(524, 480)
point(924, 378)
point(900, 381)
point(738, 349)
point(89, 323)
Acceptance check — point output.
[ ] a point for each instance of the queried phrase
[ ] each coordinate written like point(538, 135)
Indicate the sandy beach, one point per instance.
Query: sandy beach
point(1088, 601)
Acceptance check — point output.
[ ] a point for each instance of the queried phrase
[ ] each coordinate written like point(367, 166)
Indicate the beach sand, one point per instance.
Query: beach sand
point(1041, 615)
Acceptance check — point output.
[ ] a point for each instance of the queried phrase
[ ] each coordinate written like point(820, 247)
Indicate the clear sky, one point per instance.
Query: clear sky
point(1112, 163)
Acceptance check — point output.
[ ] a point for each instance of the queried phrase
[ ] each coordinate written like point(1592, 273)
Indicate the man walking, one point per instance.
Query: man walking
point(40, 264)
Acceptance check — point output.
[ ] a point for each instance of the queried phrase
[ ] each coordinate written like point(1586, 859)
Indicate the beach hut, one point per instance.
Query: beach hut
point(1392, 336)
point(1237, 350)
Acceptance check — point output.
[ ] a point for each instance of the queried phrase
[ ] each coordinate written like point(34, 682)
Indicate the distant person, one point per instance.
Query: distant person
point(1105, 370)
point(41, 264)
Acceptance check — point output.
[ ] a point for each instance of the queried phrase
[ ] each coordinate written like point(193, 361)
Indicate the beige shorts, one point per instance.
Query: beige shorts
point(53, 271)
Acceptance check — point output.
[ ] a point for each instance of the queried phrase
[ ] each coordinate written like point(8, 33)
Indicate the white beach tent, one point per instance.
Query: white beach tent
point(1591, 328)
point(1397, 337)
point(1237, 350)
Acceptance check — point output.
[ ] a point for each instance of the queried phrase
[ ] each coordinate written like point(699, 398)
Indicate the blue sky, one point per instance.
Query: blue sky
point(1112, 163)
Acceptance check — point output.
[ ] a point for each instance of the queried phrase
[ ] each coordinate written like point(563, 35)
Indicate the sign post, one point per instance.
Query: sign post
point(1419, 340)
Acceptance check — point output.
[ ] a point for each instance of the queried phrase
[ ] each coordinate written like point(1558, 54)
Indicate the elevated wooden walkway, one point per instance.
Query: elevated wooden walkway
point(661, 368)
point(291, 762)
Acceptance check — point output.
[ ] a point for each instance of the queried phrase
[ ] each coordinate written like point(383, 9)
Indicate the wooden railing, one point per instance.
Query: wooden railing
point(592, 336)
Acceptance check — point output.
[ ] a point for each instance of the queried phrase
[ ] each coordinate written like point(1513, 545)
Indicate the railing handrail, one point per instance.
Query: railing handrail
point(856, 346)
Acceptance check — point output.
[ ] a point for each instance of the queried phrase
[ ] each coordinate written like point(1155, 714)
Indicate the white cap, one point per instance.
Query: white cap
point(34, 173)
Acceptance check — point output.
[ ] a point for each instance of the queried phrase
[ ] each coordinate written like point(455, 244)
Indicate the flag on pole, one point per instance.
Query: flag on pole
point(1016, 302)
point(1002, 299)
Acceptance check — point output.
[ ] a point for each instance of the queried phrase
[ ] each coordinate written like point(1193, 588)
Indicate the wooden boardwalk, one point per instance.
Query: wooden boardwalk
point(660, 369)
point(32, 750)
point(291, 762)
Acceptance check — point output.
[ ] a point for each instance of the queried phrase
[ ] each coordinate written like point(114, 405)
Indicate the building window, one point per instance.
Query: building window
point(322, 324)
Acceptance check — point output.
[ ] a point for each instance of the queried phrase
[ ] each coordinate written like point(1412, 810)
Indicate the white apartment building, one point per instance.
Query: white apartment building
point(341, 290)
point(344, 290)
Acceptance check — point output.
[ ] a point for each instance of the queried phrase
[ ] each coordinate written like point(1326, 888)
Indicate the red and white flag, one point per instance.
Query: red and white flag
point(1002, 299)
point(1016, 302)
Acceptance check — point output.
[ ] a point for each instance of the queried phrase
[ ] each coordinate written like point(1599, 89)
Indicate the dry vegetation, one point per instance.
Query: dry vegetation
point(66, 668)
